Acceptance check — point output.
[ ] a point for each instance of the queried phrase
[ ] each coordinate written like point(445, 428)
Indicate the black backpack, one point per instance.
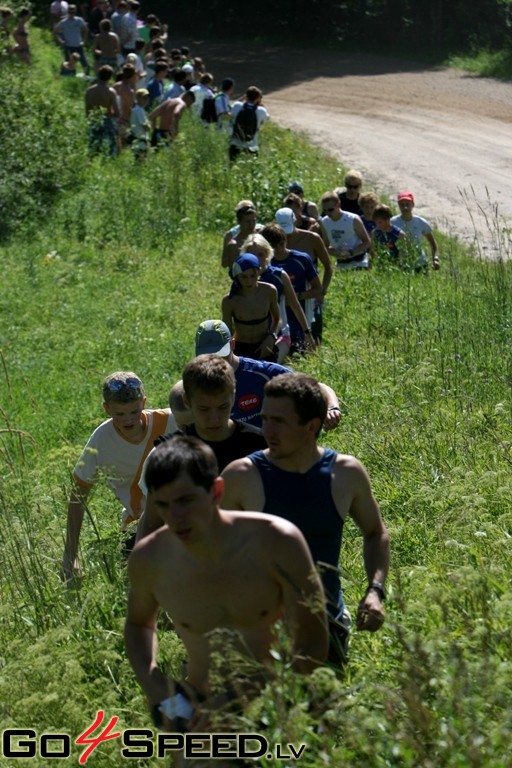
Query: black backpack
point(245, 126)
point(208, 111)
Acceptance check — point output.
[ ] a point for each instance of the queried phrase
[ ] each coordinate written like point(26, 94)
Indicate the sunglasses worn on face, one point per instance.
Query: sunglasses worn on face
point(352, 186)
point(330, 210)
point(116, 384)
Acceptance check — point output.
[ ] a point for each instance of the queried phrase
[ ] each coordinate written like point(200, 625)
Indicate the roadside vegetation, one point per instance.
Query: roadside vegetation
point(497, 64)
point(111, 265)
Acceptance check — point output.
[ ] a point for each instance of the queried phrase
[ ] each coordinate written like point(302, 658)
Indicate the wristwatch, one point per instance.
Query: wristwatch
point(377, 586)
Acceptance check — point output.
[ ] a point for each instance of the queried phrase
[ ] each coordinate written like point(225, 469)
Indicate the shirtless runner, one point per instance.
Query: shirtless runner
point(211, 569)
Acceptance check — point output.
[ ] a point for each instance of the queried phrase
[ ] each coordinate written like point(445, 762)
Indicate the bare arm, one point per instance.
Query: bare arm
point(178, 114)
point(333, 417)
point(325, 237)
point(149, 521)
point(140, 630)
point(227, 239)
point(267, 345)
point(230, 253)
point(366, 513)
point(155, 114)
point(376, 550)
point(363, 235)
point(57, 35)
point(114, 104)
point(227, 313)
point(322, 255)
point(303, 598)
point(434, 250)
point(294, 304)
point(75, 518)
point(243, 489)
point(275, 313)
point(292, 301)
point(314, 292)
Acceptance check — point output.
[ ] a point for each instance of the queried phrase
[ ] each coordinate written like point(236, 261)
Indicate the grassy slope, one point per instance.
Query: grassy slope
point(118, 277)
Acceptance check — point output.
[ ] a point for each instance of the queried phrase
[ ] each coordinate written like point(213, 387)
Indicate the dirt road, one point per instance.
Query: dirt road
point(444, 134)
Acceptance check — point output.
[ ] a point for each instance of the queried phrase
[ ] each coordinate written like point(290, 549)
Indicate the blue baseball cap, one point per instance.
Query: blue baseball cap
point(243, 263)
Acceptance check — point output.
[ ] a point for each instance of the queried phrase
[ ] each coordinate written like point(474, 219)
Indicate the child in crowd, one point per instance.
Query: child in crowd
point(115, 451)
point(251, 310)
point(68, 68)
point(367, 202)
point(416, 228)
point(140, 127)
point(386, 237)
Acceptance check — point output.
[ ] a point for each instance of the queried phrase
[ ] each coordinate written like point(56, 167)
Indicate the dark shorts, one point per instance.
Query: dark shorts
point(248, 349)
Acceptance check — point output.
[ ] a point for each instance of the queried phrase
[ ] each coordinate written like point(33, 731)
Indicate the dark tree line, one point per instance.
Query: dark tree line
point(438, 25)
point(435, 25)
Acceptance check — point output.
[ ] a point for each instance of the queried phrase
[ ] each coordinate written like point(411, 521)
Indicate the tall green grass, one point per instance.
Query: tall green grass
point(115, 270)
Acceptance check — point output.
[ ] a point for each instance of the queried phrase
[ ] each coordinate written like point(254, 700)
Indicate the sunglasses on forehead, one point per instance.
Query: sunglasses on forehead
point(116, 385)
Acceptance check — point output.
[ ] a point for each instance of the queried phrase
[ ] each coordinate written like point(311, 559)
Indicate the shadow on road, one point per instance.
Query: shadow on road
point(274, 67)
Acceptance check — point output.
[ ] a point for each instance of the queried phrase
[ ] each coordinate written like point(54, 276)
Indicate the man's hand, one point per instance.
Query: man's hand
point(266, 347)
point(332, 419)
point(370, 614)
point(344, 254)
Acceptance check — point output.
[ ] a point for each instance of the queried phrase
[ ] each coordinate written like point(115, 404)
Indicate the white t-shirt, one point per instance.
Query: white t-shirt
point(262, 116)
point(139, 122)
point(201, 92)
point(109, 455)
point(415, 229)
point(342, 235)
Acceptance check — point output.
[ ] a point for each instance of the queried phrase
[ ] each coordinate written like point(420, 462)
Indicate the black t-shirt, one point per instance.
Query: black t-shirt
point(352, 206)
point(245, 440)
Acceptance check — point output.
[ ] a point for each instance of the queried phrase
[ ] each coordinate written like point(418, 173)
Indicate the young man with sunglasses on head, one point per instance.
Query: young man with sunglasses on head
point(116, 450)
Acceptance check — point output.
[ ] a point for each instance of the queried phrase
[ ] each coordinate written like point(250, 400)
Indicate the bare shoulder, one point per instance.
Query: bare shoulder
point(243, 488)
point(239, 467)
point(144, 554)
point(350, 474)
point(352, 493)
point(346, 463)
point(271, 290)
point(271, 533)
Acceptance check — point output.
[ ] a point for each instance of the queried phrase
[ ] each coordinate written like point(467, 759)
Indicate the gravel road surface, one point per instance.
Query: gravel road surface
point(442, 133)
